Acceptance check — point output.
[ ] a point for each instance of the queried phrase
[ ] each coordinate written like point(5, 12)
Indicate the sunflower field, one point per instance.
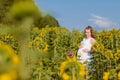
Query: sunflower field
point(30, 53)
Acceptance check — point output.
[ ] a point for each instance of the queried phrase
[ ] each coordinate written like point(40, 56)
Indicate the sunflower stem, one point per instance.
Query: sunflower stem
point(73, 73)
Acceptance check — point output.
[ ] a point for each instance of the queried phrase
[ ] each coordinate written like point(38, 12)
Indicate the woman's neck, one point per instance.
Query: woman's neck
point(88, 37)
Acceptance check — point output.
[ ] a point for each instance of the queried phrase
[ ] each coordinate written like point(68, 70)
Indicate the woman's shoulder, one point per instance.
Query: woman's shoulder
point(92, 40)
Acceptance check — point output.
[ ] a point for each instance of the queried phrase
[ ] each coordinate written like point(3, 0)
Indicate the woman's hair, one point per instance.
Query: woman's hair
point(91, 30)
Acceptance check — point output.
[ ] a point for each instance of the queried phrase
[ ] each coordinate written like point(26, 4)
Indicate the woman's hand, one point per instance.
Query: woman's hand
point(80, 47)
point(86, 50)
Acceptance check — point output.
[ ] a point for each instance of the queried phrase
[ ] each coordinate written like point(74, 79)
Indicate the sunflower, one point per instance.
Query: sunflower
point(8, 62)
point(106, 75)
point(39, 44)
point(71, 69)
point(119, 75)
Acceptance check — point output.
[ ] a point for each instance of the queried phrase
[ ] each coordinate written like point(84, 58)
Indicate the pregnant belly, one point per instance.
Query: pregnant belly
point(82, 54)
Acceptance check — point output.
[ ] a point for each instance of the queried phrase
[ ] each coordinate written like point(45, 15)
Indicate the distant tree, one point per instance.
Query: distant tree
point(48, 20)
point(4, 7)
point(14, 11)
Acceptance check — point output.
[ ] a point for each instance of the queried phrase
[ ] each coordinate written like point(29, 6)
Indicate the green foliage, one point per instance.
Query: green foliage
point(5, 60)
point(47, 20)
point(8, 38)
point(22, 9)
point(110, 39)
point(4, 8)
point(43, 71)
point(15, 11)
point(105, 57)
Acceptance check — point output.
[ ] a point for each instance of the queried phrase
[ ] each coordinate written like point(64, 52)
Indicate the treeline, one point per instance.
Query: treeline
point(14, 11)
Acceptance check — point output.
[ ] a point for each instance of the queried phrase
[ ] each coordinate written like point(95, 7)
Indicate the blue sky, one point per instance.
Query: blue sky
point(77, 14)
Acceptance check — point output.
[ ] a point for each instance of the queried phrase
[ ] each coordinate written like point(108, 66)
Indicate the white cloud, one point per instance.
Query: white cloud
point(102, 22)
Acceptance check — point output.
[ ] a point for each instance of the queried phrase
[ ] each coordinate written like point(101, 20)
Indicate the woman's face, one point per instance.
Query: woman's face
point(88, 33)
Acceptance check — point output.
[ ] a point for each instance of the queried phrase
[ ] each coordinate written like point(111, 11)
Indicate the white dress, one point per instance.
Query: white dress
point(84, 56)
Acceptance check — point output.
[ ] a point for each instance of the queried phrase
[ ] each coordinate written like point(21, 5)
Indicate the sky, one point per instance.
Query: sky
point(77, 14)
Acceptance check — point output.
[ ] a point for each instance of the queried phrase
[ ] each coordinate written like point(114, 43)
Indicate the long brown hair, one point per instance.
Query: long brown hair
point(91, 30)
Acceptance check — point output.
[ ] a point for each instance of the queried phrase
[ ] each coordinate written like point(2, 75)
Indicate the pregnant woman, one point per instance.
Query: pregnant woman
point(83, 53)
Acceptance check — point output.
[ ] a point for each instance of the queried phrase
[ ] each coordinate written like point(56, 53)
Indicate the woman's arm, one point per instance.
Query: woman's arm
point(80, 46)
point(86, 50)
point(93, 40)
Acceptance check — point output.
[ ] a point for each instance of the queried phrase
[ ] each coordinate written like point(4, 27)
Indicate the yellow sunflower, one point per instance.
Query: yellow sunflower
point(106, 75)
point(71, 69)
point(8, 62)
point(119, 75)
point(39, 44)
